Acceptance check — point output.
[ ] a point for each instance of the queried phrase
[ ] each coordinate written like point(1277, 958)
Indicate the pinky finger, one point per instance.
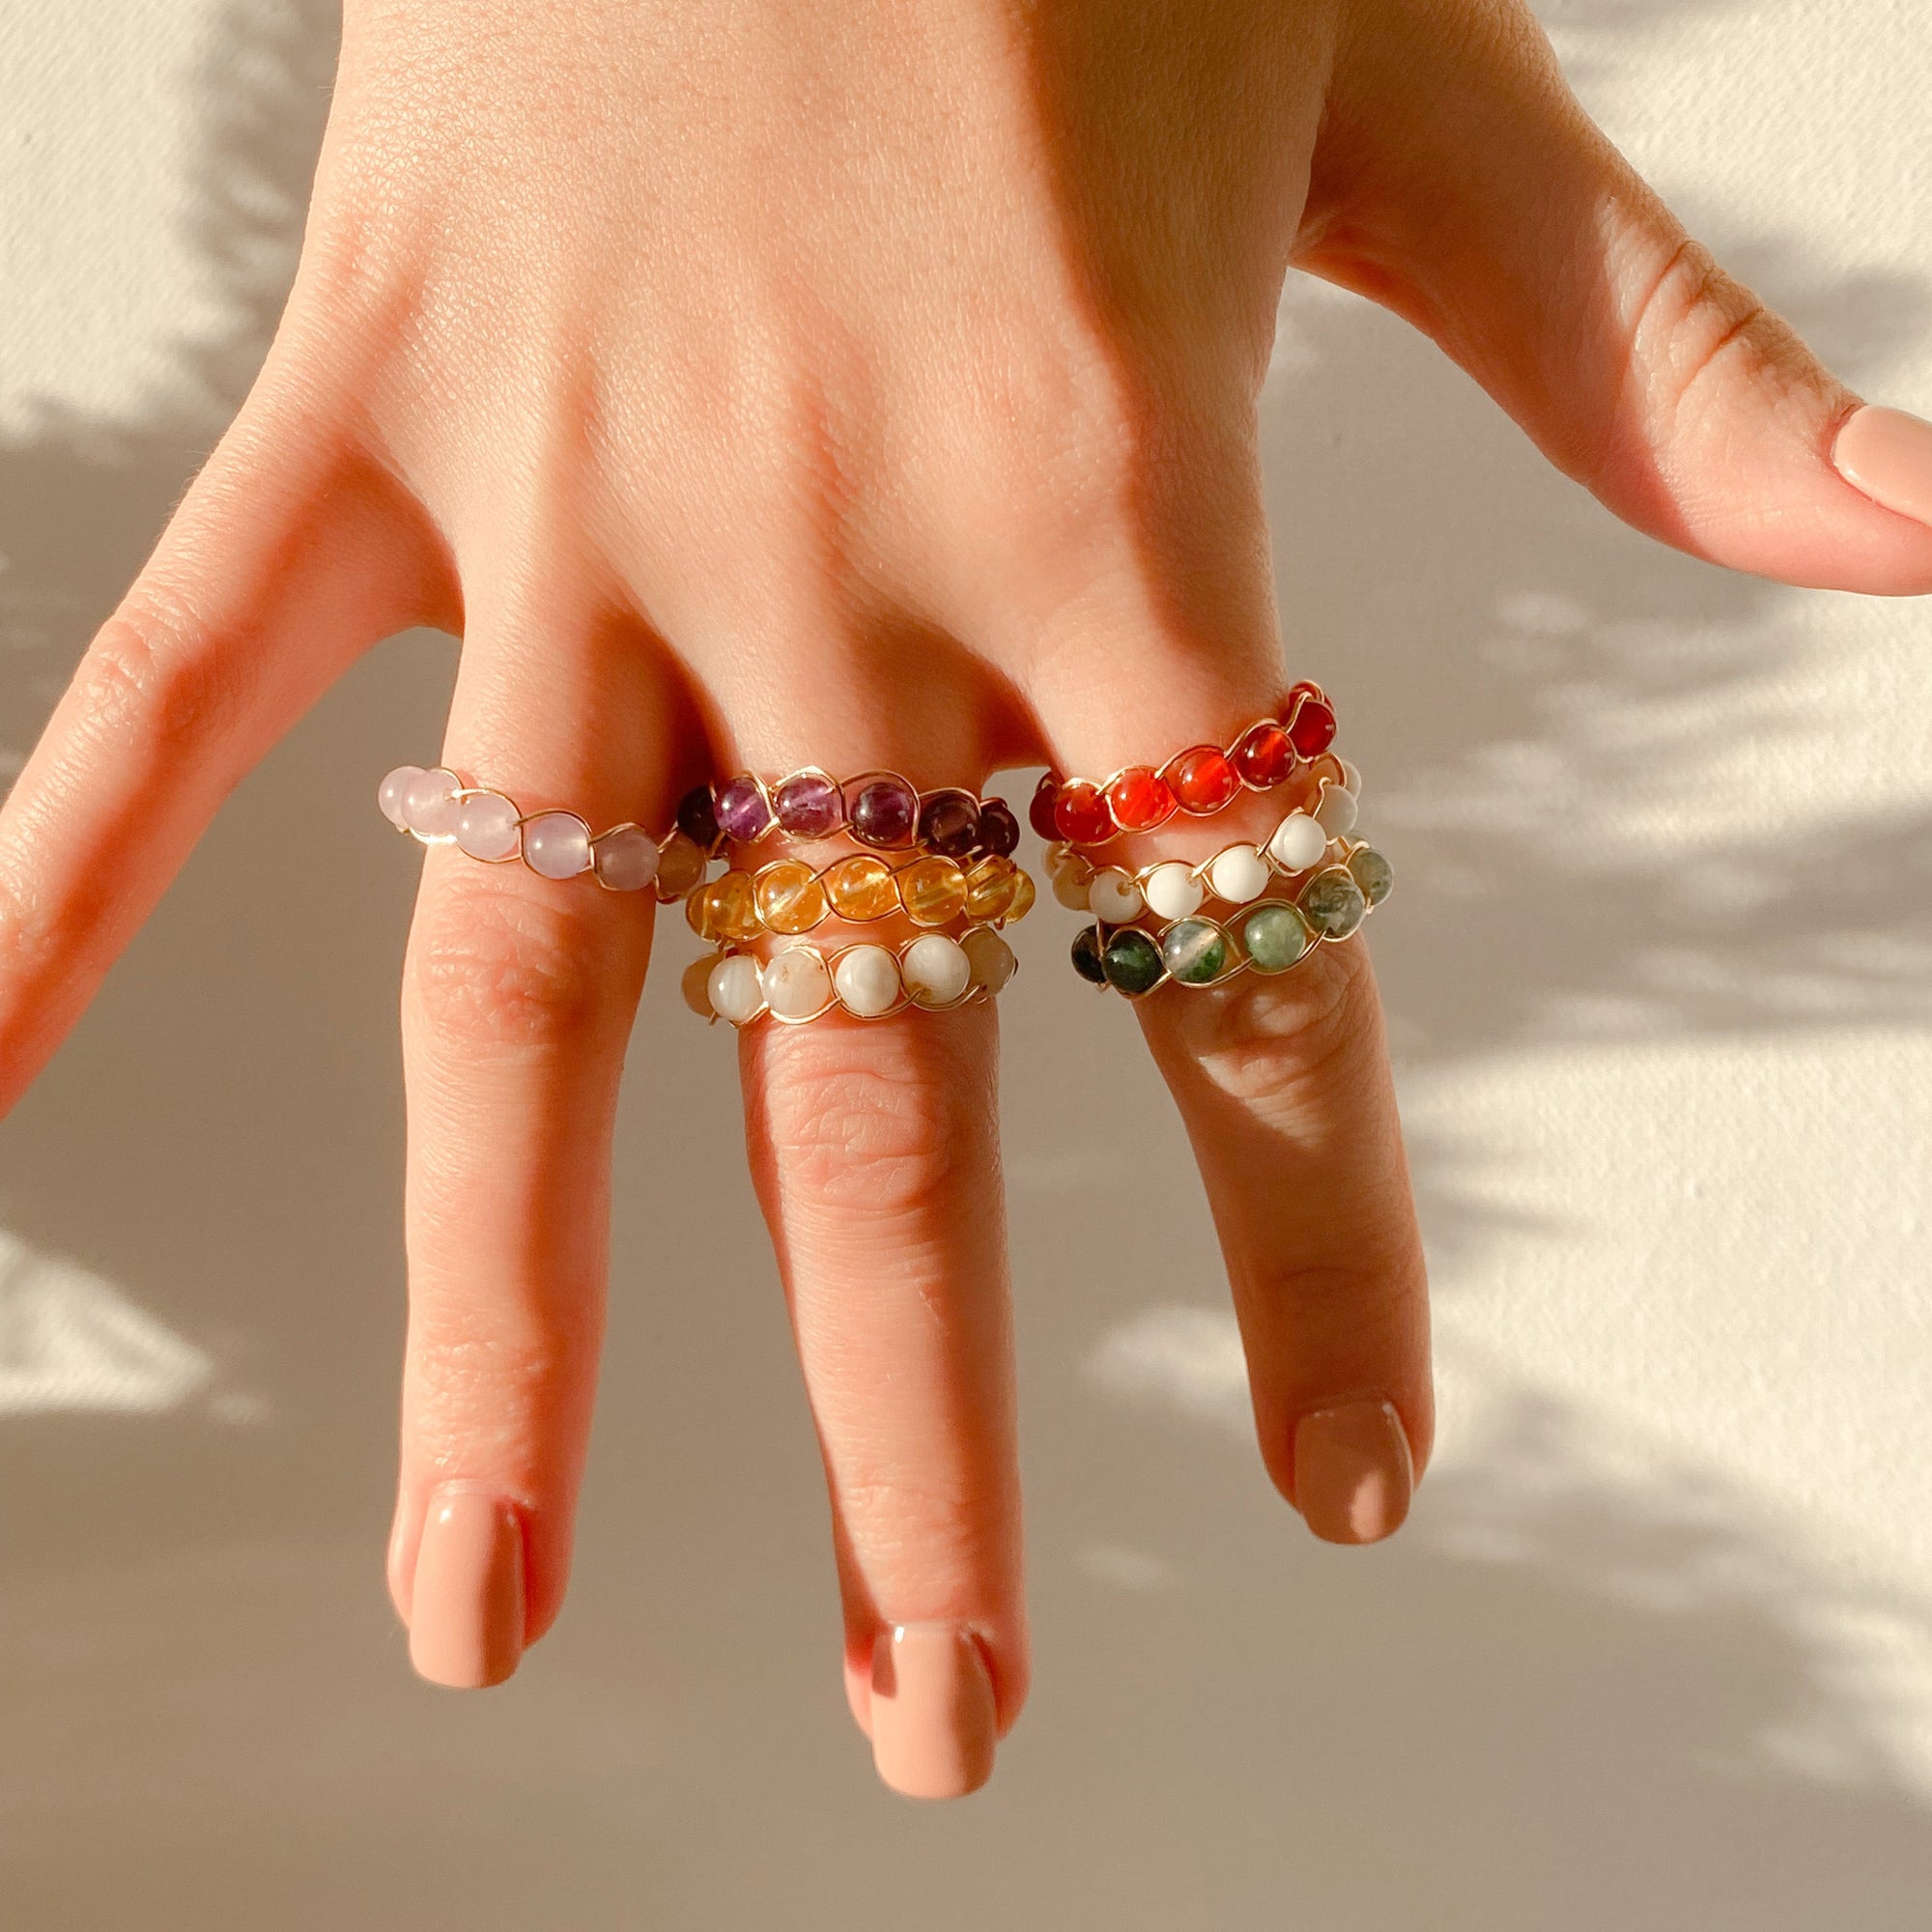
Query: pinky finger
point(289, 556)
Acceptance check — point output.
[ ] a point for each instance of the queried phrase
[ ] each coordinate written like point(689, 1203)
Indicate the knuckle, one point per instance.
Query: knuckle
point(149, 683)
point(492, 969)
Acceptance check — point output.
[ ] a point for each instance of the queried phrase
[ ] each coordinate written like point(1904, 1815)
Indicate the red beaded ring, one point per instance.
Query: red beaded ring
point(1202, 780)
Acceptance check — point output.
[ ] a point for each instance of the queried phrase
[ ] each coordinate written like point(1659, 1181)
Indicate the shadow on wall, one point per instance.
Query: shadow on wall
point(1559, 1701)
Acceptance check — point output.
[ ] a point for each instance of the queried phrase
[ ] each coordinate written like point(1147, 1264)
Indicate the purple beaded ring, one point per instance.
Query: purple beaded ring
point(879, 810)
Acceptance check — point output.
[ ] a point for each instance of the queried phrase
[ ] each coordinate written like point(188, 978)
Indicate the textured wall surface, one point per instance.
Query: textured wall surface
point(1656, 1649)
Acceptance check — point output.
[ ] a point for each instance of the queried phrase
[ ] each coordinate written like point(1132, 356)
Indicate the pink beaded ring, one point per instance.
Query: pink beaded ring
point(435, 807)
point(878, 810)
point(1201, 781)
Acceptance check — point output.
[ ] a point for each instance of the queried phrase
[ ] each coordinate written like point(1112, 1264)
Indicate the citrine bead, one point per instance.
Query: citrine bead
point(1203, 779)
point(1080, 815)
point(790, 898)
point(1140, 799)
point(932, 890)
point(1024, 896)
point(990, 887)
point(860, 888)
point(725, 909)
point(1264, 758)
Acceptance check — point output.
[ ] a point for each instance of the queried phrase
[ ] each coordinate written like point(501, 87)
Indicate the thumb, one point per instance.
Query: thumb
point(1490, 211)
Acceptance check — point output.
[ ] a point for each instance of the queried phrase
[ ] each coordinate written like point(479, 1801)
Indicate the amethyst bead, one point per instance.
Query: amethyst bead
point(740, 809)
point(882, 810)
point(809, 806)
point(949, 823)
point(697, 820)
point(999, 829)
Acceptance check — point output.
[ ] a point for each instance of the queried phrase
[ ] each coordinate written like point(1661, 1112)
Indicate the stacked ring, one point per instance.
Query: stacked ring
point(801, 984)
point(435, 807)
point(788, 896)
point(878, 810)
point(1201, 781)
point(1268, 936)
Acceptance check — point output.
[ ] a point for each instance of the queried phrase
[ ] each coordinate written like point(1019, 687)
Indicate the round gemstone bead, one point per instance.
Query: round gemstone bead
point(949, 823)
point(1080, 815)
point(1194, 951)
point(740, 808)
point(1311, 730)
point(697, 818)
point(867, 980)
point(725, 909)
point(1274, 936)
point(882, 809)
point(1140, 799)
point(1024, 894)
point(1298, 843)
point(1040, 812)
point(1173, 892)
point(989, 957)
point(736, 988)
point(1087, 955)
point(809, 806)
point(694, 984)
point(1239, 874)
point(796, 983)
point(1131, 962)
point(860, 888)
point(789, 896)
point(680, 866)
point(487, 827)
point(392, 795)
point(1203, 779)
point(991, 887)
point(1264, 758)
point(626, 858)
point(1351, 776)
point(430, 805)
point(1113, 895)
point(556, 845)
point(937, 971)
point(1069, 886)
point(932, 890)
point(1372, 872)
point(1336, 811)
point(1333, 903)
point(999, 829)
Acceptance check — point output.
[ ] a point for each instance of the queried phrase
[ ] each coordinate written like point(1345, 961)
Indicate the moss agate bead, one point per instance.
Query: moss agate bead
point(1087, 955)
point(1372, 872)
point(1195, 952)
point(1274, 936)
point(1131, 962)
point(1332, 903)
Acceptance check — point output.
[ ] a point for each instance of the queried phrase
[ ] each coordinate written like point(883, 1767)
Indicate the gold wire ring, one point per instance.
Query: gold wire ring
point(799, 984)
point(787, 898)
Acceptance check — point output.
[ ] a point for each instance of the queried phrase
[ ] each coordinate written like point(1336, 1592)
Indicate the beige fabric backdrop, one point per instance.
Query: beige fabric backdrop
point(1656, 1649)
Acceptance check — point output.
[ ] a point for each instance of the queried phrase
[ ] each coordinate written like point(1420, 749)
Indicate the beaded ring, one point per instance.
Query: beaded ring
point(788, 897)
point(1203, 780)
point(435, 807)
point(1267, 937)
point(796, 984)
point(880, 810)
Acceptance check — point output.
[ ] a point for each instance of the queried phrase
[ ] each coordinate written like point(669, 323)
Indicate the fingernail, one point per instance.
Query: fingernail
point(934, 1722)
point(466, 1606)
point(1353, 1475)
point(1887, 454)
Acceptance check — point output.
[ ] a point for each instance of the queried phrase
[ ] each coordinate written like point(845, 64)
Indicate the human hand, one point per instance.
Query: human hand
point(872, 386)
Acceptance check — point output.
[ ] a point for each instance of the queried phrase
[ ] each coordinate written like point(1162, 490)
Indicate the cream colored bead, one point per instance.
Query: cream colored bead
point(1336, 811)
point(867, 980)
point(1352, 777)
point(1069, 887)
point(796, 983)
point(989, 957)
point(1298, 843)
point(1239, 874)
point(734, 989)
point(1173, 892)
point(936, 970)
point(1113, 895)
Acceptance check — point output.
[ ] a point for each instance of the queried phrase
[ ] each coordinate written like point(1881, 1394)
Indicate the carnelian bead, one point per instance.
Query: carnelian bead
point(1312, 728)
point(1203, 779)
point(1140, 799)
point(1264, 756)
point(1080, 815)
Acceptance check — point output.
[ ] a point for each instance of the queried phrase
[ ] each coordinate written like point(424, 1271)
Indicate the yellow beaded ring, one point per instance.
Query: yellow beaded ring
point(801, 984)
point(788, 897)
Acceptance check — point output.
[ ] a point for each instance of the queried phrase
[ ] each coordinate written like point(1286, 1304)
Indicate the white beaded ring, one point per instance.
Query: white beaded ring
point(796, 984)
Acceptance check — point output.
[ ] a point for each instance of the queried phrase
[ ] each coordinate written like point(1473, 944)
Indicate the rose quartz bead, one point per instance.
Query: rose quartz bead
point(626, 858)
point(430, 805)
point(392, 795)
point(486, 827)
point(556, 845)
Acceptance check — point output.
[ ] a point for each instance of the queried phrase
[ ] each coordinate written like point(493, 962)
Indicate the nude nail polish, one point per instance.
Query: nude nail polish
point(466, 1608)
point(934, 1727)
point(1354, 1474)
point(1887, 454)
